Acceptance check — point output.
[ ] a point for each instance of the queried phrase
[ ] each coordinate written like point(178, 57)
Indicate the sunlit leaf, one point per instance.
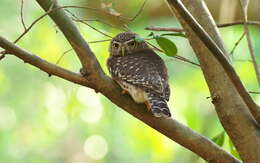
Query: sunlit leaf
point(233, 150)
point(166, 45)
point(219, 139)
point(151, 34)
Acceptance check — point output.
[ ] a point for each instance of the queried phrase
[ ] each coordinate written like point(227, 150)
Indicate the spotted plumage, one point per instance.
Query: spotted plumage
point(140, 72)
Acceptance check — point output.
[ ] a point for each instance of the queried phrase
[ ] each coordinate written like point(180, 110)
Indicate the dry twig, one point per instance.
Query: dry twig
point(75, 18)
point(176, 57)
point(164, 29)
point(67, 51)
point(256, 23)
point(21, 14)
point(254, 92)
point(237, 43)
point(244, 5)
point(139, 11)
point(172, 29)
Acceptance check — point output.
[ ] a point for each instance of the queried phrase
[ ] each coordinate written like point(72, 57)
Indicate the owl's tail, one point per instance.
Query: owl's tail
point(159, 106)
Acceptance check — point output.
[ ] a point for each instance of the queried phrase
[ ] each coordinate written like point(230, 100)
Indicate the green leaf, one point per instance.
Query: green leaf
point(139, 38)
point(151, 34)
point(166, 45)
point(174, 34)
point(219, 139)
point(233, 150)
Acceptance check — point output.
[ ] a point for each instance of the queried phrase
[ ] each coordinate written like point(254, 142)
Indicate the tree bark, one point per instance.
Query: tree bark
point(232, 111)
point(97, 80)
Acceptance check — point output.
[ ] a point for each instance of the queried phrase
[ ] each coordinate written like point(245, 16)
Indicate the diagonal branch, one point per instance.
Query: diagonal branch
point(169, 127)
point(219, 55)
point(97, 80)
point(49, 68)
point(231, 108)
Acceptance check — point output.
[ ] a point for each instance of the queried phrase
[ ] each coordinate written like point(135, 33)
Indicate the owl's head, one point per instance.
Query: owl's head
point(125, 44)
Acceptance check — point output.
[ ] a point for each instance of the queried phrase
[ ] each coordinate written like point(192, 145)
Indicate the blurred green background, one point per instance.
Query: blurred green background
point(49, 120)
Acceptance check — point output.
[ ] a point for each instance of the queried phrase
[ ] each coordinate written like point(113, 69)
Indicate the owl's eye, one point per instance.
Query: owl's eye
point(115, 45)
point(132, 43)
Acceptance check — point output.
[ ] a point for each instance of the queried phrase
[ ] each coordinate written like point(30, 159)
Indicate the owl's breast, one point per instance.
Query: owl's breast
point(138, 94)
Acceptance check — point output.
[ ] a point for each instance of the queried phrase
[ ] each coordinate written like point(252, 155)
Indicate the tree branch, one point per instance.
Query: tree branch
point(169, 127)
point(84, 53)
point(255, 23)
point(219, 55)
point(237, 43)
point(49, 68)
point(99, 81)
point(231, 108)
point(171, 29)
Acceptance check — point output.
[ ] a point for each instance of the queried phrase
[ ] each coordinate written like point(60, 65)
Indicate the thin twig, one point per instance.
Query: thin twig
point(55, 9)
point(177, 56)
point(256, 23)
point(98, 41)
point(236, 44)
point(254, 92)
point(21, 15)
point(102, 22)
point(51, 9)
point(172, 29)
point(242, 60)
point(67, 51)
point(244, 6)
point(75, 18)
point(99, 31)
point(186, 60)
point(121, 18)
point(37, 20)
point(139, 11)
point(2, 56)
point(164, 29)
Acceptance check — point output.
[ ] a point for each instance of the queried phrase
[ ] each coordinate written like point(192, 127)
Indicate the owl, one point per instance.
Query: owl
point(140, 72)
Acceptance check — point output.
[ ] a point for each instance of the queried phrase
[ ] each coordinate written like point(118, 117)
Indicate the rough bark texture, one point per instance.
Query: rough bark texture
point(232, 111)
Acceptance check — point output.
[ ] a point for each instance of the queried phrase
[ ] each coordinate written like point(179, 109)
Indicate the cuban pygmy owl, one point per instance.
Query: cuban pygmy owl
point(140, 72)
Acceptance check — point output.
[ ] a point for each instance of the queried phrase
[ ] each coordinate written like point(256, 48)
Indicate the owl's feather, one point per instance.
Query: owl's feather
point(140, 72)
point(158, 105)
point(144, 69)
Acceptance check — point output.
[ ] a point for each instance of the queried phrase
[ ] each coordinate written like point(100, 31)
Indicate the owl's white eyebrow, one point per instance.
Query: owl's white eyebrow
point(117, 42)
point(129, 41)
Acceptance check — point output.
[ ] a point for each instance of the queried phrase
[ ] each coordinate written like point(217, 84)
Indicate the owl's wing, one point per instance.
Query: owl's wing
point(144, 69)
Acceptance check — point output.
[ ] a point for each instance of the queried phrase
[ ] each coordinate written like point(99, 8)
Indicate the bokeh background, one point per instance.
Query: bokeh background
point(49, 120)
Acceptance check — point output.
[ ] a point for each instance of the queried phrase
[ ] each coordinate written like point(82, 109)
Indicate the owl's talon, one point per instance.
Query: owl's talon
point(148, 106)
point(83, 71)
point(124, 92)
